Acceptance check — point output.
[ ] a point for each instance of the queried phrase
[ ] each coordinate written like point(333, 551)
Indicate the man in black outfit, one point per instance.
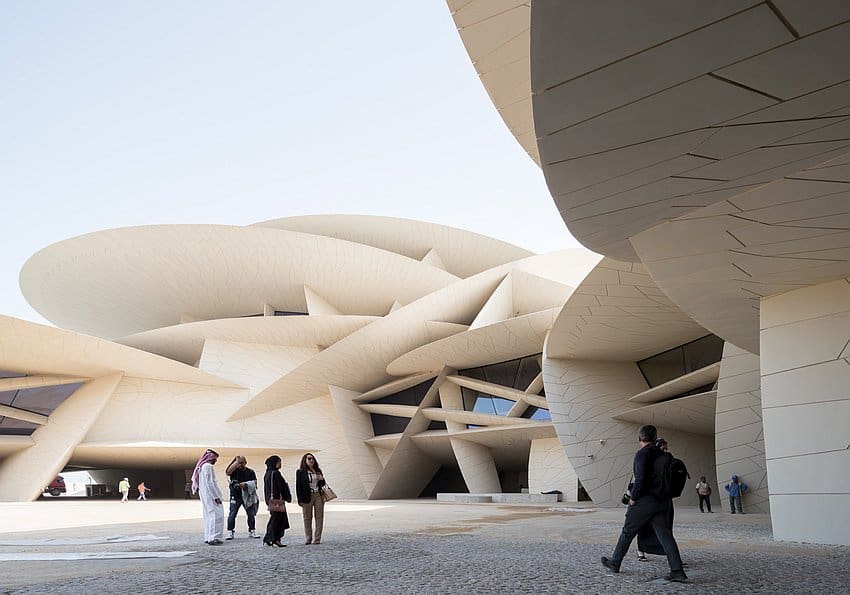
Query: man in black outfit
point(646, 509)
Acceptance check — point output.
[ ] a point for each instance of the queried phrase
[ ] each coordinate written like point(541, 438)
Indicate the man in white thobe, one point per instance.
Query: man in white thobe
point(206, 486)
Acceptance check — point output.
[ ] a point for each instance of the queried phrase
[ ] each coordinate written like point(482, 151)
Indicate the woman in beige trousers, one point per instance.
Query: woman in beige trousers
point(309, 482)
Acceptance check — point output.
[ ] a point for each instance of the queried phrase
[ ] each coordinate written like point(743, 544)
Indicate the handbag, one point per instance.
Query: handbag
point(327, 493)
point(277, 505)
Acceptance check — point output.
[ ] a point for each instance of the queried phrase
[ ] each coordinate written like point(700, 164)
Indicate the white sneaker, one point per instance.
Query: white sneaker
point(253, 534)
point(231, 534)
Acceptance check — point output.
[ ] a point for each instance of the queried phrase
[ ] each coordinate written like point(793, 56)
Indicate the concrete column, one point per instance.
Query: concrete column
point(477, 466)
point(24, 474)
point(739, 434)
point(357, 426)
point(805, 375)
point(550, 469)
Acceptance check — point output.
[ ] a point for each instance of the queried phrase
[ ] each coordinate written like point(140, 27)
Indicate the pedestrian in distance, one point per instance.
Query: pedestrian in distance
point(735, 488)
point(124, 489)
point(309, 482)
point(648, 505)
point(142, 490)
point(277, 493)
point(704, 493)
point(205, 485)
point(243, 494)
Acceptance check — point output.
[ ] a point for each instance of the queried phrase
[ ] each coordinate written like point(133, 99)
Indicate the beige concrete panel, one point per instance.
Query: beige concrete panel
point(394, 386)
point(832, 298)
point(694, 414)
point(498, 390)
point(185, 342)
point(739, 437)
point(433, 259)
point(550, 469)
point(319, 306)
point(477, 419)
point(497, 342)
point(695, 379)
point(499, 306)
point(451, 399)
point(24, 474)
point(601, 321)
point(807, 470)
point(407, 411)
point(252, 365)
point(23, 415)
point(357, 426)
point(464, 253)
point(814, 518)
point(496, 37)
point(25, 382)
point(36, 349)
point(11, 444)
point(477, 467)
point(223, 272)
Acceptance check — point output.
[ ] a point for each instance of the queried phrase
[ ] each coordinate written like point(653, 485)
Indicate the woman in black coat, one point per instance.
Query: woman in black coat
point(309, 481)
point(275, 488)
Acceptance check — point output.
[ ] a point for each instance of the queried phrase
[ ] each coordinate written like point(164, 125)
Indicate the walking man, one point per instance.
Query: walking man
point(647, 508)
point(142, 491)
point(243, 494)
point(205, 485)
point(124, 488)
point(704, 493)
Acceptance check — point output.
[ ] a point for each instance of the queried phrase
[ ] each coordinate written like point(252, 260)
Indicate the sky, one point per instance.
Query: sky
point(118, 114)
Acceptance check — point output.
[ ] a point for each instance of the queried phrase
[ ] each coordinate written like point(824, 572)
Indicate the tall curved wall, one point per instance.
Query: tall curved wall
point(806, 404)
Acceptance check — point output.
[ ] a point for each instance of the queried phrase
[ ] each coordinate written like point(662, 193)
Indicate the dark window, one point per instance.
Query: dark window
point(670, 364)
point(43, 399)
point(16, 427)
point(288, 313)
point(388, 424)
point(446, 480)
point(408, 396)
point(437, 425)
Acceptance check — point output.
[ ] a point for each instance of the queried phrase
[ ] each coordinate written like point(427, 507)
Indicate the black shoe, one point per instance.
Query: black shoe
point(607, 563)
point(215, 542)
point(279, 544)
point(676, 576)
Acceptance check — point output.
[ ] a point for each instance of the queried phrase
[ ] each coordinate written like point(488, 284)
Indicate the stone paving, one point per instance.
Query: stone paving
point(416, 547)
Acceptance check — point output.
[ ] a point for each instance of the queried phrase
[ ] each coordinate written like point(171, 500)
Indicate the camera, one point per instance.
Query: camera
point(626, 499)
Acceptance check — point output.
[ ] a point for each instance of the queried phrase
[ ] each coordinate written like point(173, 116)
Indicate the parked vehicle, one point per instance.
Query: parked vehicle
point(56, 487)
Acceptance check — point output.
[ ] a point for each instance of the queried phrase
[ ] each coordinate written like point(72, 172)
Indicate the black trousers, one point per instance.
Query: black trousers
point(276, 527)
point(656, 513)
point(704, 499)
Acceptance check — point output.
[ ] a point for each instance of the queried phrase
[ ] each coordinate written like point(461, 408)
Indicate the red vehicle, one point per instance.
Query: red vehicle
point(56, 487)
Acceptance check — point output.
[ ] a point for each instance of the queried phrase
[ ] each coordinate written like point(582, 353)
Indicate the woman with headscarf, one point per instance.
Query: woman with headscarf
point(205, 485)
point(275, 488)
point(309, 482)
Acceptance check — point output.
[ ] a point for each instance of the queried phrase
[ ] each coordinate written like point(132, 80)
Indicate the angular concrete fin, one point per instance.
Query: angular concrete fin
point(433, 258)
point(184, 318)
point(532, 293)
point(396, 305)
point(317, 305)
point(500, 305)
point(440, 330)
point(268, 310)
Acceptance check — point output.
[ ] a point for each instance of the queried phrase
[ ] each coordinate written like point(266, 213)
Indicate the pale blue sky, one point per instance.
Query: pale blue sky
point(131, 113)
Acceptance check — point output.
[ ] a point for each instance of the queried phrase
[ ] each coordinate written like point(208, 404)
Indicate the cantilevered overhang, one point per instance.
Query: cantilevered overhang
point(618, 314)
point(496, 37)
point(646, 113)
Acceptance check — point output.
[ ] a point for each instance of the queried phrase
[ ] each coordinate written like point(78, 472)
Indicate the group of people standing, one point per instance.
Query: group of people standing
point(310, 488)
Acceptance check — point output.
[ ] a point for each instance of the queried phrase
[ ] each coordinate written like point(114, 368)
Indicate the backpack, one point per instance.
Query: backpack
point(670, 476)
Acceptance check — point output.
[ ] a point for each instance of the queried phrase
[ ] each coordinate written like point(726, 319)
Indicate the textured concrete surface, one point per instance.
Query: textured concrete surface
point(424, 546)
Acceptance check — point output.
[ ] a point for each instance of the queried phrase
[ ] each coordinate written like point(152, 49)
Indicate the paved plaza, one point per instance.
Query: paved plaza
point(414, 546)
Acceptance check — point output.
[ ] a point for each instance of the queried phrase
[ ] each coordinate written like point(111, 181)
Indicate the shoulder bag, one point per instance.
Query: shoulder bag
point(327, 493)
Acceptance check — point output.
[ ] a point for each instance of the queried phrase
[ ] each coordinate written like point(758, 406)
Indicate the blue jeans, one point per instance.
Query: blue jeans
point(733, 500)
point(235, 505)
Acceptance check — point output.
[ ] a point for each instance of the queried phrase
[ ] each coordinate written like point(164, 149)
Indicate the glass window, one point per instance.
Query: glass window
point(43, 399)
point(537, 414)
point(16, 427)
point(437, 425)
point(484, 403)
point(288, 313)
point(681, 360)
point(703, 352)
point(388, 424)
